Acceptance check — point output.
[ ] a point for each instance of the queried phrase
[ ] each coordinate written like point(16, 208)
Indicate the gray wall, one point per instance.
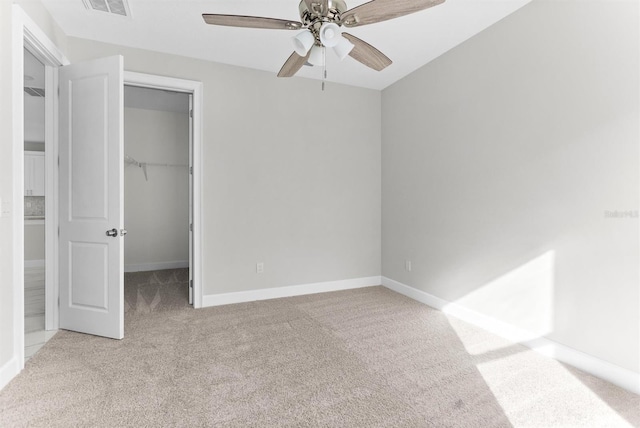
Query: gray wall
point(33, 119)
point(33, 139)
point(291, 174)
point(156, 210)
point(500, 161)
point(33, 241)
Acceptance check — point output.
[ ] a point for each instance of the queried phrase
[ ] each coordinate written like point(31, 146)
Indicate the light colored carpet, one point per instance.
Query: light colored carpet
point(366, 358)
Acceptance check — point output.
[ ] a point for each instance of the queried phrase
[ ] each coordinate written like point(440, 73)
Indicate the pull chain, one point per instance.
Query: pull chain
point(324, 66)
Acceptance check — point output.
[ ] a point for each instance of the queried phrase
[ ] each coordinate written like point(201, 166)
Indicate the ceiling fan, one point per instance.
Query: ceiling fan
point(323, 19)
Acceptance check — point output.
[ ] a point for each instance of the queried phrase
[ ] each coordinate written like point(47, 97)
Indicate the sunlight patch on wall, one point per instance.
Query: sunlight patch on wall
point(521, 298)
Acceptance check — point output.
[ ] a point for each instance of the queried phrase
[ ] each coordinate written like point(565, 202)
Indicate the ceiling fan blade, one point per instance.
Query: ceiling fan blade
point(250, 22)
point(382, 10)
point(293, 64)
point(367, 54)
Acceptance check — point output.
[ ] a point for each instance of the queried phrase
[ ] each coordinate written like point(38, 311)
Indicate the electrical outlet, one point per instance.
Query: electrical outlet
point(259, 267)
point(407, 265)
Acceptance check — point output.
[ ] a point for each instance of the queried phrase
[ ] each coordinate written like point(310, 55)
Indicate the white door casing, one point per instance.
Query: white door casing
point(91, 147)
point(196, 90)
point(190, 175)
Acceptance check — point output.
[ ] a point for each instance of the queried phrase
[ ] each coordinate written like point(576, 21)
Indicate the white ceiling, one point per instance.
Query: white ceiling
point(176, 27)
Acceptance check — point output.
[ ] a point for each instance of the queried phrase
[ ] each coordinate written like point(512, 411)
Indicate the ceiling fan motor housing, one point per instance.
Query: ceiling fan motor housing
point(314, 15)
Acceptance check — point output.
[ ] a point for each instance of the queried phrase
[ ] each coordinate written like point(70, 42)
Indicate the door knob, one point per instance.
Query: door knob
point(112, 232)
point(123, 232)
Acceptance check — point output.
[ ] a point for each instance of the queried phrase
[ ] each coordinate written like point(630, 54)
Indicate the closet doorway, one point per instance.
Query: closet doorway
point(35, 177)
point(158, 198)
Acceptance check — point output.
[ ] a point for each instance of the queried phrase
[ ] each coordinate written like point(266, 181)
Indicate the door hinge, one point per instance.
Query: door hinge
point(191, 227)
point(190, 113)
point(58, 230)
point(191, 283)
point(191, 170)
point(58, 160)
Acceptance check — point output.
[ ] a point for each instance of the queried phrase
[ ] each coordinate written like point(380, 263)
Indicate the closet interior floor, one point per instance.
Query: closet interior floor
point(35, 335)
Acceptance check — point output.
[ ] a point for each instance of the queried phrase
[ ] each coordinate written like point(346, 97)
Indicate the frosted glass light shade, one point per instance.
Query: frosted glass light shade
point(303, 42)
point(315, 57)
point(343, 48)
point(330, 34)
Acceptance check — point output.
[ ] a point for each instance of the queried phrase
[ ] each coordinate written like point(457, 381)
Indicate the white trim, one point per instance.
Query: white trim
point(617, 375)
point(491, 324)
point(34, 263)
point(198, 124)
point(17, 202)
point(197, 89)
point(37, 42)
point(190, 198)
point(8, 371)
point(152, 81)
point(145, 267)
point(52, 243)
point(288, 291)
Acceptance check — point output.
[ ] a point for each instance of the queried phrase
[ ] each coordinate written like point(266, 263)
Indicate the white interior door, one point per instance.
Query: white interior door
point(91, 197)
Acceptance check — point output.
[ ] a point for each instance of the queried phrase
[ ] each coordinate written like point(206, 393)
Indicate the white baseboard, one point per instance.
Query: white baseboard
point(157, 266)
point(617, 375)
point(33, 263)
point(8, 371)
point(288, 291)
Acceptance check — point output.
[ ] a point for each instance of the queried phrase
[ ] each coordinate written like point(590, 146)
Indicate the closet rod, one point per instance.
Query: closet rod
point(164, 164)
point(131, 161)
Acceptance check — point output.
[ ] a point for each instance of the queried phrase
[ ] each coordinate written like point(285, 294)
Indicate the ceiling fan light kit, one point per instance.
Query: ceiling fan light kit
point(343, 48)
point(331, 37)
point(330, 34)
point(322, 21)
point(303, 42)
point(316, 56)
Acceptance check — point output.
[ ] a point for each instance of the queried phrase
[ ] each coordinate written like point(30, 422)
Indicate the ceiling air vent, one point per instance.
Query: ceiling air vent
point(117, 7)
point(34, 92)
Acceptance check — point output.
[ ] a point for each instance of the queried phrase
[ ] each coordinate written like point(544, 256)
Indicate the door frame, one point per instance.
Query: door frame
point(27, 35)
point(195, 88)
